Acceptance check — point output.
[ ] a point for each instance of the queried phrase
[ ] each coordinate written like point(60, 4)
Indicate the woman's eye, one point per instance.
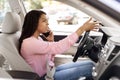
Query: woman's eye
point(44, 20)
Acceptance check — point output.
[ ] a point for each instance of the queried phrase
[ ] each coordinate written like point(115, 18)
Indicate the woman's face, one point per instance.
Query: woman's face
point(43, 24)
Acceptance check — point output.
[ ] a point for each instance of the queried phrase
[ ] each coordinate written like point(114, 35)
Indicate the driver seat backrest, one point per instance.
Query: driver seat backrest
point(9, 42)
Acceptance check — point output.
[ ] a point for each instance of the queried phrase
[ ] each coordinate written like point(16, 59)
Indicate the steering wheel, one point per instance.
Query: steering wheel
point(80, 50)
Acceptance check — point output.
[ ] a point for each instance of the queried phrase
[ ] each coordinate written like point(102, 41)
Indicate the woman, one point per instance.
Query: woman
point(38, 52)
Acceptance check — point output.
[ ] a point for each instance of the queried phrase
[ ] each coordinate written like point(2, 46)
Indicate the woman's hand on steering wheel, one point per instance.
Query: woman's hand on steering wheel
point(87, 26)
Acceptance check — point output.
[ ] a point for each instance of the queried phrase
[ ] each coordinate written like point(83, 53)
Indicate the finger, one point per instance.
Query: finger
point(95, 29)
point(50, 32)
point(89, 19)
point(96, 23)
point(96, 26)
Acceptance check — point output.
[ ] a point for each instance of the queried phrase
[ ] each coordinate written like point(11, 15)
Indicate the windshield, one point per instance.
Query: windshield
point(111, 7)
point(114, 4)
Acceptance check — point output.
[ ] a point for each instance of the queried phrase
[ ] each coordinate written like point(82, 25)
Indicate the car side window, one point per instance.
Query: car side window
point(4, 7)
point(62, 17)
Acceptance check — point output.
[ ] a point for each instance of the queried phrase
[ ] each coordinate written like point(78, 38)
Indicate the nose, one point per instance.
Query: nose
point(47, 23)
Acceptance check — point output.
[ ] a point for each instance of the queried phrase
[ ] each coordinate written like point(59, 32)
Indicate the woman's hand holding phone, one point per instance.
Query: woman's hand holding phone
point(49, 35)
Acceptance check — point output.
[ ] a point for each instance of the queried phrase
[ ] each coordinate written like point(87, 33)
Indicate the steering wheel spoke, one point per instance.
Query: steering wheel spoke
point(88, 47)
point(80, 51)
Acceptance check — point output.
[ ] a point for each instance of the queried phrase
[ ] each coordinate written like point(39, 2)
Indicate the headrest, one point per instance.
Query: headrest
point(11, 23)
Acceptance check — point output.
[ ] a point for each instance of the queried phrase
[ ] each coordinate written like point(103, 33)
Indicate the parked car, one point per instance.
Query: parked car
point(65, 17)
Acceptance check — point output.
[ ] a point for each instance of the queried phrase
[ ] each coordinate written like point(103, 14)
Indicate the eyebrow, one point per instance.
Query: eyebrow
point(43, 18)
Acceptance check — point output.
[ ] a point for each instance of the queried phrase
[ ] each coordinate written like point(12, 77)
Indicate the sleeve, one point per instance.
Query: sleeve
point(43, 47)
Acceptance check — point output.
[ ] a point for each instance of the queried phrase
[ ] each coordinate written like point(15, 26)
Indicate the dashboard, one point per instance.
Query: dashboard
point(108, 59)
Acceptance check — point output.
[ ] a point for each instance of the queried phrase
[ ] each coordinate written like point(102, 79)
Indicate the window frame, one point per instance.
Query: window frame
point(104, 8)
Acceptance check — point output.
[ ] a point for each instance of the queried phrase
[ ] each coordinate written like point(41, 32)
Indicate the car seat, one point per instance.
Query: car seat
point(13, 63)
point(9, 42)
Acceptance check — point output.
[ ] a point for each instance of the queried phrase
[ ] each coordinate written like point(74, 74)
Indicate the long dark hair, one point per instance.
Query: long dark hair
point(30, 25)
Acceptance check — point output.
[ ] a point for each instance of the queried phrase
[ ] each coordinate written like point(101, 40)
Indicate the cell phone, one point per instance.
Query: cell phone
point(46, 34)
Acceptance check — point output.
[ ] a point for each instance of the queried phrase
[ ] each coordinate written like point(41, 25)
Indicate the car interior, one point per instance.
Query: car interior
point(103, 48)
